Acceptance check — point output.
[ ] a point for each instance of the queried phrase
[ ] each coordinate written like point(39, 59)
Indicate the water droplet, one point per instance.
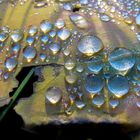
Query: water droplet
point(16, 35)
point(98, 101)
point(29, 53)
point(114, 103)
point(52, 33)
point(138, 104)
point(118, 85)
point(89, 45)
point(80, 104)
point(53, 95)
point(46, 26)
point(71, 78)
point(104, 17)
point(138, 67)
point(60, 23)
point(79, 68)
point(11, 63)
point(94, 84)
point(42, 57)
point(44, 39)
point(32, 30)
point(15, 48)
point(55, 48)
point(95, 64)
point(84, 2)
point(67, 6)
point(30, 40)
point(63, 34)
point(3, 37)
point(79, 21)
point(121, 59)
point(138, 19)
point(69, 64)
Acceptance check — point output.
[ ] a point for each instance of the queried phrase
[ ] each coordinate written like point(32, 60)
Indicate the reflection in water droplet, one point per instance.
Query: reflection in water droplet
point(46, 26)
point(90, 45)
point(16, 36)
point(98, 101)
point(94, 84)
point(53, 95)
point(63, 34)
point(118, 85)
point(55, 48)
point(95, 64)
point(44, 39)
point(80, 104)
point(11, 63)
point(29, 53)
point(69, 64)
point(113, 103)
point(121, 59)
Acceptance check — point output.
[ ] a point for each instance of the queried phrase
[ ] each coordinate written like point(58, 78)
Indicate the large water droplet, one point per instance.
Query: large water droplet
point(90, 45)
point(53, 95)
point(121, 59)
point(118, 85)
point(29, 53)
point(94, 84)
point(11, 63)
